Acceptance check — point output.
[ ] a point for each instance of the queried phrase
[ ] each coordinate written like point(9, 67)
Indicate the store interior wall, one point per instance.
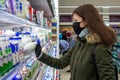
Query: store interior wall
point(111, 7)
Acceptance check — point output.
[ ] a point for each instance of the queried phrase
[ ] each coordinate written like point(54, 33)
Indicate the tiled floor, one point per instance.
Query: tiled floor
point(66, 75)
point(118, 76)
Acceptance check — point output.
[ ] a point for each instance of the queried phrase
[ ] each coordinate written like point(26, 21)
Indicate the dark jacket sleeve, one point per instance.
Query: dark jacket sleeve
point(104, 64)
point(59, 63)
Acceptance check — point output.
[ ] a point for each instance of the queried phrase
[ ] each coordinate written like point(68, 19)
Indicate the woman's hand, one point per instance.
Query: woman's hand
point(38, 50)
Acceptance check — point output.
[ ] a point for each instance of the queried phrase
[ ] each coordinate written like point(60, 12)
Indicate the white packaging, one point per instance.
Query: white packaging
point(1, 53)
point(28, 48)
point(21, 56)
point(9, 33)
point(1, 60)
point(10, 57)
point(19, 44)
point(14, 58)
point(14, 42)
point(40, 17)
point(3, 46)
point(26, 39)
point(17, 57)
point(5, 59)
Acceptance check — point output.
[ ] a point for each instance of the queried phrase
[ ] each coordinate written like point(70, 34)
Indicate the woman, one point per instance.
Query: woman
point(91, 31)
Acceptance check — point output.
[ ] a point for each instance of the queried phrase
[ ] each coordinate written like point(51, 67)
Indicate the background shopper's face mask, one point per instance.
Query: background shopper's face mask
point(77, 28)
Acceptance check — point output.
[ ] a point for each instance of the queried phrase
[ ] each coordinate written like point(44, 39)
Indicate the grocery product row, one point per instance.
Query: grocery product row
point(116, 49)
point(22, 27)
point(23, 11)
point(17, 56)
point(18, 50)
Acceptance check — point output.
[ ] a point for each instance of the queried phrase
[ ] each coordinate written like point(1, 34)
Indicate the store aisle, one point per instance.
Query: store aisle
point(118, 76)
point(64, 75)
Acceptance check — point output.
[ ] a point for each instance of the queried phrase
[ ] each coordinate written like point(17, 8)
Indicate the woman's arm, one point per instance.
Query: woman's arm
point(59, 63)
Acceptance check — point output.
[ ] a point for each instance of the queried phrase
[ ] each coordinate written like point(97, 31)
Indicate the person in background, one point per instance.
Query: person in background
point(64, 35)
point(92, 33)
point(74, 36)
point(70, 39)
point(64, 46)
point(60, 36)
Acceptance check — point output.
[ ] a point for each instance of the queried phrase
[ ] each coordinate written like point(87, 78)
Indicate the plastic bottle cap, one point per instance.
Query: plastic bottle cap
point(18, 76)
point(38, 41)
point(17, 33)
point(27, 33)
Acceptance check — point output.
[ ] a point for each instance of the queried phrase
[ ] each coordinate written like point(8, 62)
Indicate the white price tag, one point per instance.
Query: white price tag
point(10, 57)
point(5, 60)
point(17, 56)
point(14, 58)
point(1, 61)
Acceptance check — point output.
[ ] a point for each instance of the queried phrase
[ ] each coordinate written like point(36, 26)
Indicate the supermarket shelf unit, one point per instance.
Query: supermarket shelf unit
point(47, 72)
point(13, 72)
point(10, 22)
point(47, 7)
point(116, 49)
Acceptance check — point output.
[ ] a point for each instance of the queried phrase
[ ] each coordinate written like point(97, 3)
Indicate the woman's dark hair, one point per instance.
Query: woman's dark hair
point(95, 23)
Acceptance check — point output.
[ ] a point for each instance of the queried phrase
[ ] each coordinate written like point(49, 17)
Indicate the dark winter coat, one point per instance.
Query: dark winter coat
point(80, 60)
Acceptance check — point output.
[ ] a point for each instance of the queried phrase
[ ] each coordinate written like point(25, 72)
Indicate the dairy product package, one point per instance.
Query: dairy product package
point(28, 48)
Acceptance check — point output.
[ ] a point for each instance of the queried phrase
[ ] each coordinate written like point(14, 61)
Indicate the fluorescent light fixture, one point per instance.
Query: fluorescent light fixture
point(95, 6)
point(105, 19)
point(114, 23)
point(105, 7)
point(107, 23)
point(68, 6)
point(65, 13)
point(114, 13)
point(66, 23)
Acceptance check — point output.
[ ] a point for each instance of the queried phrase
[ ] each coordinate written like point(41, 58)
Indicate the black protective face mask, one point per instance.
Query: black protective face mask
point(77, 28)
